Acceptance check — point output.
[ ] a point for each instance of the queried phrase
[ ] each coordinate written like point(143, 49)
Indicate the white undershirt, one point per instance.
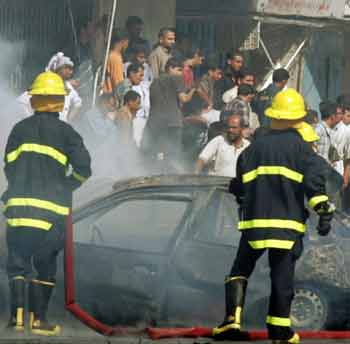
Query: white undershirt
point(211, 116)
point(224, 154)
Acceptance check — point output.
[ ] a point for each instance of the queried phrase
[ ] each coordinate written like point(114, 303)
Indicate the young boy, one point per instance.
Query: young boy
point(138, 55)
point(125, 116)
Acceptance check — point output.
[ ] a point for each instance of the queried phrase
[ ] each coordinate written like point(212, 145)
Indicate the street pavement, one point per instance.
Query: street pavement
point(82, 335)
point(129, 340)
point(76, 333)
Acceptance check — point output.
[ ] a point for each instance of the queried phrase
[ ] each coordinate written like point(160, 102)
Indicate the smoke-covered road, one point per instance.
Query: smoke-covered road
point(76, 333)
point(136, 340)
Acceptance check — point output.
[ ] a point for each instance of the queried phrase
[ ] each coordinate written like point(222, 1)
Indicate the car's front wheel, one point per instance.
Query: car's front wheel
point(310, 308)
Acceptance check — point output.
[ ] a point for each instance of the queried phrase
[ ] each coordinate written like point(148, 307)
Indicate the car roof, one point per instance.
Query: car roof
point(170, 181)
point(97, 190)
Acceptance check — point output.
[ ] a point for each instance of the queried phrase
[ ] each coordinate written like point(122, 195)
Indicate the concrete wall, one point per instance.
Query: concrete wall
point(324, 68)
point(155, 13)
point(346, 71)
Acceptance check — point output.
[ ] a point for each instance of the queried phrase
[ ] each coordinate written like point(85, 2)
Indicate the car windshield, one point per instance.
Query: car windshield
point(143, 224)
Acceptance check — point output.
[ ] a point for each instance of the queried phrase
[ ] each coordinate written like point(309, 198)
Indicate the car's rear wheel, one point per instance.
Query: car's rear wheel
point(310, 308)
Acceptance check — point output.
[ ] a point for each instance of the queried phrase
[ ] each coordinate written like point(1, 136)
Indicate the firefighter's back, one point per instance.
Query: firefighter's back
point(37, 157)
point(273, 172)
point(273, 169)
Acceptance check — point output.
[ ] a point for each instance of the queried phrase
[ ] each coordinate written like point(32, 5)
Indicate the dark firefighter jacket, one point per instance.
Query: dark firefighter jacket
point(274, 174)
point(39, 152)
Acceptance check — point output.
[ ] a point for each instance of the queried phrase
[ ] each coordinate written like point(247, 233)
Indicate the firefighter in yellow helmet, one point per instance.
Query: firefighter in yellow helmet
point(39, 152)
point(274, 175)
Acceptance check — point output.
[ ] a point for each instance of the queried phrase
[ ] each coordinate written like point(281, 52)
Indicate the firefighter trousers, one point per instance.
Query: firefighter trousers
point(30, 248)
point(282, 267)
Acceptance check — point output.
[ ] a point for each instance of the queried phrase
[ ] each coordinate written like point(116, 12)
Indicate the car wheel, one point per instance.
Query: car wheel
point(310, 308)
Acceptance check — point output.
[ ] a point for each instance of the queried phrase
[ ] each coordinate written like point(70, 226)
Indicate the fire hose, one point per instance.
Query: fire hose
point(195, 332)
point(156, 333)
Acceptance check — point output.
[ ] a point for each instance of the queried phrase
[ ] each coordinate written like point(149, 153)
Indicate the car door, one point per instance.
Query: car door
point(205, 257)
point(121, 255)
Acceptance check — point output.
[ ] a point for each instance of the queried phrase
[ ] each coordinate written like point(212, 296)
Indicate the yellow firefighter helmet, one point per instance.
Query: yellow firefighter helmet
point(48, 84)
point(287, 105)
point(307, 132)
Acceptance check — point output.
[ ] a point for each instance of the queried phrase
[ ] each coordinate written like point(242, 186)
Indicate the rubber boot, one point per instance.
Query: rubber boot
point(39, 298)
point(17, 297)
point(294, 340)
point(235, 290)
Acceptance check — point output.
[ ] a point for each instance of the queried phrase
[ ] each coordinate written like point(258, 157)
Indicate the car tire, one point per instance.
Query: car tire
point(310, 308)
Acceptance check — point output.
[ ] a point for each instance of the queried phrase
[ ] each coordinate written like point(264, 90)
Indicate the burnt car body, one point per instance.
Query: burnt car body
point(156, 250)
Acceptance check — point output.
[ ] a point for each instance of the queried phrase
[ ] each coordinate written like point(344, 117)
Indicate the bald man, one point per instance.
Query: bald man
point(224, 150)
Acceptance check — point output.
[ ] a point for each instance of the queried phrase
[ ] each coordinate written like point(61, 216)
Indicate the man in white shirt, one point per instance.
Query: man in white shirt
point(328, 147)
point(325, 130)
point(223, 151)
point(342, 132)
point(342, 143)
point(134, 82)
point(245, 77)
point(346, 118)
point(63, 66)
point(210, 116)
point(342, 139)
point(138, 55)
point(140, 120)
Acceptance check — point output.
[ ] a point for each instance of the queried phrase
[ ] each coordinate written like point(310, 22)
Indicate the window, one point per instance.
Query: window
point(228, 230)
point(140, 224)
point(217, 222)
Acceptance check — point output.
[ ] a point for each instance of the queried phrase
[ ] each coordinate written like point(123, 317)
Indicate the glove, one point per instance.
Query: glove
point(326, 212)
point(235, 189)
point(324, 224)
point(234, 186)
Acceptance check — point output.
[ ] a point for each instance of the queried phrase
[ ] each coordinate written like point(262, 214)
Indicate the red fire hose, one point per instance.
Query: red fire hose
point(161, 333)
point(154, 333)
point(71, 305)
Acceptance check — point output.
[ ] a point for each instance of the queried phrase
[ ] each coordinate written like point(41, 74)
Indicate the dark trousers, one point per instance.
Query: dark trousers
point(30, 248)
point(282, 265)
point(168, 149)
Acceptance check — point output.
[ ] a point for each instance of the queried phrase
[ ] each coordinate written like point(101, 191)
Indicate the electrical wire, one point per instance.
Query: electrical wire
point(114, 10)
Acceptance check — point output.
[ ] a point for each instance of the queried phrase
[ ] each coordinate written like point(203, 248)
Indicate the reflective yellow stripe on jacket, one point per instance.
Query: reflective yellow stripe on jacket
point(269, 223)
point(78, 177)
point(273, 170)
point(33, 223)
point(271, 243)
point(39, 149)
point(314, 201)
point(277, 321)
point(37, 203)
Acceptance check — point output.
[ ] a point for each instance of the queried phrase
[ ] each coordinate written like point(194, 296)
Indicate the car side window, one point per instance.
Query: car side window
point(217, 222)
point(138, 224)
point(228, 229)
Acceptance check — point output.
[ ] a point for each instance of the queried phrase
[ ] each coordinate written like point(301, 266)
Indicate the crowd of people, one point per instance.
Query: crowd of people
point(168, 109)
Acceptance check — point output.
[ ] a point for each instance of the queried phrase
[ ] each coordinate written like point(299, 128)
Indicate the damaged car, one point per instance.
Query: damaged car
point(156, 250)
